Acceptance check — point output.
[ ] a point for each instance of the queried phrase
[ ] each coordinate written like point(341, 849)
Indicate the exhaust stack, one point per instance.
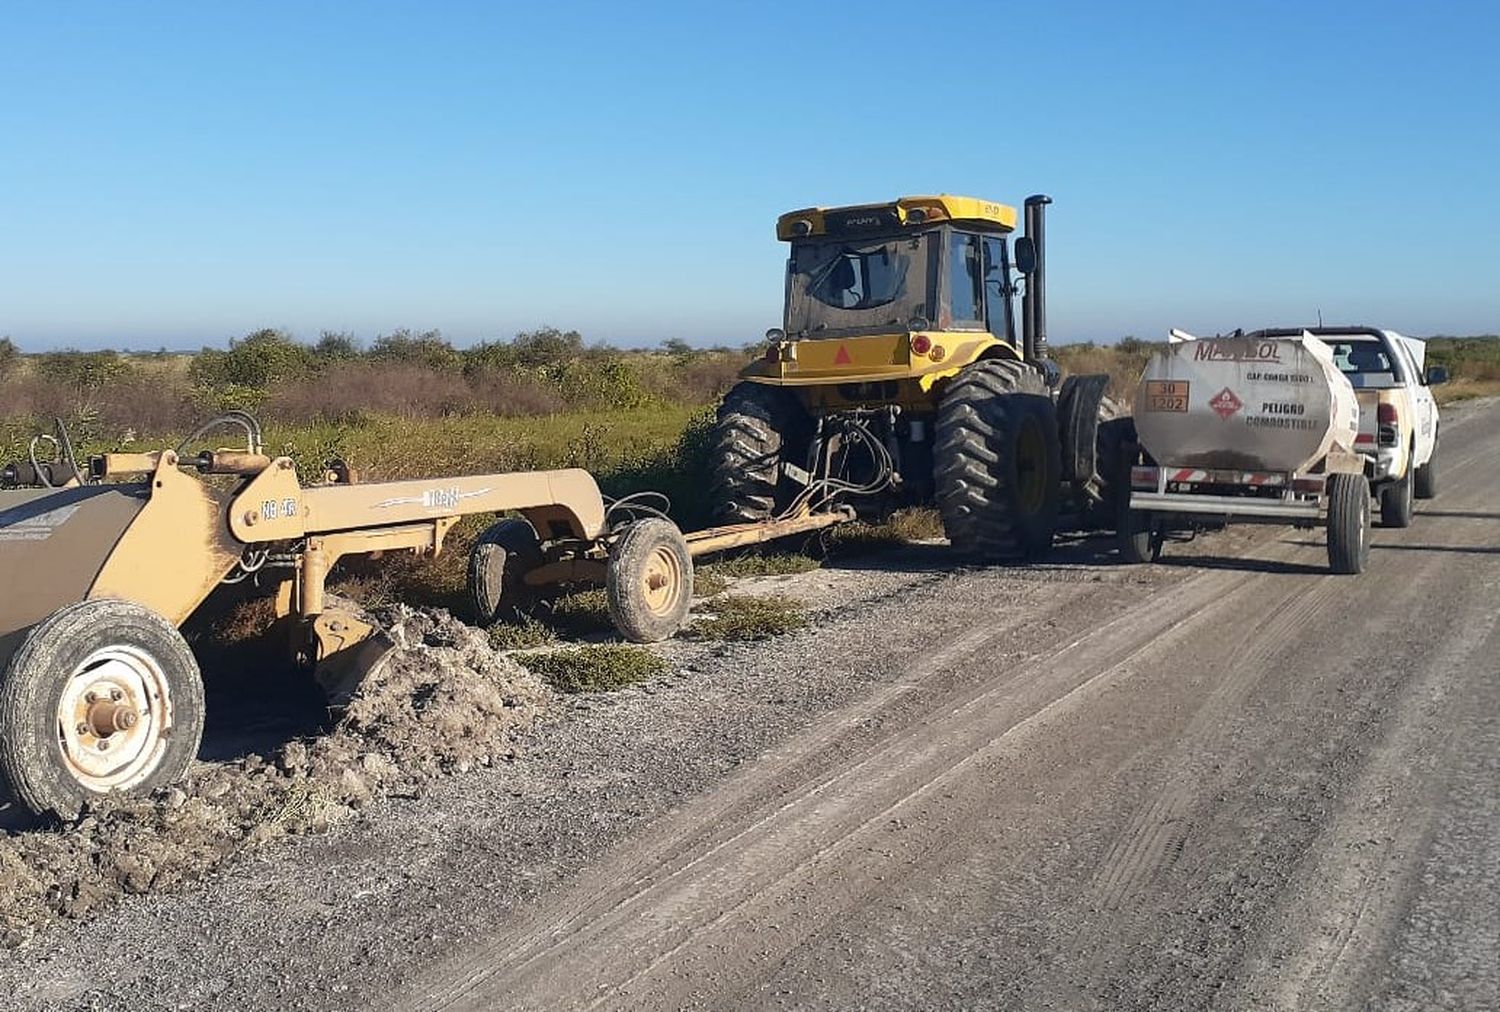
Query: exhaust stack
point(1034, 302)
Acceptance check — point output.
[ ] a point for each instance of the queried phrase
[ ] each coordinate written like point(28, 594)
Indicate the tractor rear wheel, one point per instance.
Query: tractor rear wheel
point(998, 461)
point(102, 696)
point(758, 428)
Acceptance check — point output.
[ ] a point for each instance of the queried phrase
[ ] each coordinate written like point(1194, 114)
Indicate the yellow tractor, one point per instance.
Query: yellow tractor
point(899, 377)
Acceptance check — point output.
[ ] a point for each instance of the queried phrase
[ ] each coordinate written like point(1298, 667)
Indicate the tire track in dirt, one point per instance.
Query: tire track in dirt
point(672, 903)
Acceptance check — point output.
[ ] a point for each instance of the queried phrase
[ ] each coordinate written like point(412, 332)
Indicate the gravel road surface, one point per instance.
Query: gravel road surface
point(1229, 781)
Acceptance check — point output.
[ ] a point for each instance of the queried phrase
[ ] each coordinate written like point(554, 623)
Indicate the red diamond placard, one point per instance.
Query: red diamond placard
point(1225, 403)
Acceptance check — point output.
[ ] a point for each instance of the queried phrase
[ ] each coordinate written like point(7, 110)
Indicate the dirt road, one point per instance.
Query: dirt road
point(1231, 781)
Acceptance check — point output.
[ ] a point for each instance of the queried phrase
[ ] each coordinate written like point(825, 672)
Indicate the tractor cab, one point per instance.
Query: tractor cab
point(907, 292)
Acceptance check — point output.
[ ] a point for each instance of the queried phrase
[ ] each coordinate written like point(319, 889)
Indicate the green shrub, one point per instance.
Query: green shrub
point(9, 355)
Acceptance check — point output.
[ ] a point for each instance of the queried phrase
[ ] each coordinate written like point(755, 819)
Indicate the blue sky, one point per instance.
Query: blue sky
point(177, 174)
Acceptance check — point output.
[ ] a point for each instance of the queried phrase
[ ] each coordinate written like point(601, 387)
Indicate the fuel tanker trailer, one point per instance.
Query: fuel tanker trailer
point(1246, 430)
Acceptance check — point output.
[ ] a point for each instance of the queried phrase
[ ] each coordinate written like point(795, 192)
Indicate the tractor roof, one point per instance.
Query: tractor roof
point(906, 212)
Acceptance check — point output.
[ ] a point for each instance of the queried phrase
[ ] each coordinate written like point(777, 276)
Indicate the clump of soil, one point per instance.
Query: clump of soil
point(444, 701)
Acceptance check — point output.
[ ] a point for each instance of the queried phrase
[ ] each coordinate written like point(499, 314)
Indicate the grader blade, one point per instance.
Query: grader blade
point(349, 649)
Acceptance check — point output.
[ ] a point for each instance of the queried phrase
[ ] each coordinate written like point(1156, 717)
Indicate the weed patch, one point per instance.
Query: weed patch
point(740, 617)
point(594, 668)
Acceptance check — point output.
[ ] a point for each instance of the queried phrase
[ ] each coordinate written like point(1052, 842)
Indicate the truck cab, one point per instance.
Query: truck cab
point(1398, 414)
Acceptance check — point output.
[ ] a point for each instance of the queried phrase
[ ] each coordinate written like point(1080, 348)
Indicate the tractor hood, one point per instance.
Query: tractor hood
point(52, 545)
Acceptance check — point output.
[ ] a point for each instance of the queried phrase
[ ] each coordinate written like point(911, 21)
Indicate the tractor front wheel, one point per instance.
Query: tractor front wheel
point(998, 461)
point(758, 428)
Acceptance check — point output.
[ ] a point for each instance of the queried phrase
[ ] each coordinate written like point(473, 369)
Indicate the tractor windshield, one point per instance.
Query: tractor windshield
point(843, 286)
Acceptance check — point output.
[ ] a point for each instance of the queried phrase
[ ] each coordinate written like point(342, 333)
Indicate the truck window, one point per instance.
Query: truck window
point(1366, 362)
point(995, 280)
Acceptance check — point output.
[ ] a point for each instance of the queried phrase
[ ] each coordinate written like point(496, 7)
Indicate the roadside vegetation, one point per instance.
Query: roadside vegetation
point(595, 667)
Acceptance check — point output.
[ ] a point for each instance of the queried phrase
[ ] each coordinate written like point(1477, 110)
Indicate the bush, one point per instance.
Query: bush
point(428, 349)
point(9, 355)
point(256, 361)
point(336, 347)
point(81, 371)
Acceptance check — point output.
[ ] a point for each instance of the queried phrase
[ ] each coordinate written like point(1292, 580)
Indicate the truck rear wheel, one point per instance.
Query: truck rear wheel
point(1396, 506)
point(1348, 523)
point(758, 427)
point(498, 563)
point(1427, 477)
point(998, 461)
point(102, 696)
point(649, 582)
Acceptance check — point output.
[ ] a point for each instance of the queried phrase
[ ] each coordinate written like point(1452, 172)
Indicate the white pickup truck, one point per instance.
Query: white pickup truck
point(1398, 416)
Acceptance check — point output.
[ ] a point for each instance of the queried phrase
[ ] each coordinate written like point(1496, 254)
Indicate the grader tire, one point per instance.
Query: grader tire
point(103, 696)
point(649, 581)
point(998, 461)
point(1348, 523)
point(498, 562)
point(757, 428)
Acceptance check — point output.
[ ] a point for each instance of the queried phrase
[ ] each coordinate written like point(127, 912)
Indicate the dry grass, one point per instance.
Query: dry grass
point(914, 523)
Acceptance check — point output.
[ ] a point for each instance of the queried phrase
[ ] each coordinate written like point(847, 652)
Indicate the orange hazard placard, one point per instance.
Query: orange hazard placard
point(1167, 395)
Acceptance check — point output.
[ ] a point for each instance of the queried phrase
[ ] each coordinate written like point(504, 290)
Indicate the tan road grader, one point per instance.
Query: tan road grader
point(104, 559)
point(900, 376)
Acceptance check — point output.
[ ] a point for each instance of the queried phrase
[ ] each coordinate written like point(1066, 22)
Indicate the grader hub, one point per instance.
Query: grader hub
point(900, 376)
point(99, 690)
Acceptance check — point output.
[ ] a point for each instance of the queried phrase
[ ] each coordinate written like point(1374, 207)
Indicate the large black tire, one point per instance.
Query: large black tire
point(1348, 523)
point(498, 562)
point(649, 581)
point(102, 696)
point(758, 427)
point(1427, 477)
point(1396, 505)
point(998, 462)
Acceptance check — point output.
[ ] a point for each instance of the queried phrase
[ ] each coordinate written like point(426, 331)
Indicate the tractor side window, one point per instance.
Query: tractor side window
point(966, 280)
point(996, 267)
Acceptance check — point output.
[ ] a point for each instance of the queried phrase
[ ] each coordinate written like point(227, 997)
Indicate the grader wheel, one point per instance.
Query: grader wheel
point(103, 696)
point(649, 581)
point(498, 563)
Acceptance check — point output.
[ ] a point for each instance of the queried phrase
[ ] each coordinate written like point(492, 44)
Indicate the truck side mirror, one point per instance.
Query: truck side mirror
point(1025, 254)
point(1436, 374)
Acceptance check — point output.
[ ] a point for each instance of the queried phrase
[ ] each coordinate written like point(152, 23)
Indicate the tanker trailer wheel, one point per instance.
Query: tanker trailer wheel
point(1427, 477)
point(102, 696)
point(649, 581)
point(758, 427)
point(1396, 505)
point(1348, 523)
point(998, 461)
point(498, 563)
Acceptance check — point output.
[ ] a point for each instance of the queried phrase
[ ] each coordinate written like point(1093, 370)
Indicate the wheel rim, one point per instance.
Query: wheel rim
point(1031, 466)
point(661, 581)
point(113, 718)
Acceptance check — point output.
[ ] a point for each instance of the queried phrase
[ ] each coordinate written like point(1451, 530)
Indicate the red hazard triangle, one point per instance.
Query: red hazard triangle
point(841, 357)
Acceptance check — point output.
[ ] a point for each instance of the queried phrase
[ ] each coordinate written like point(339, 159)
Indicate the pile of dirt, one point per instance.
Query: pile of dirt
point(443, 702)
